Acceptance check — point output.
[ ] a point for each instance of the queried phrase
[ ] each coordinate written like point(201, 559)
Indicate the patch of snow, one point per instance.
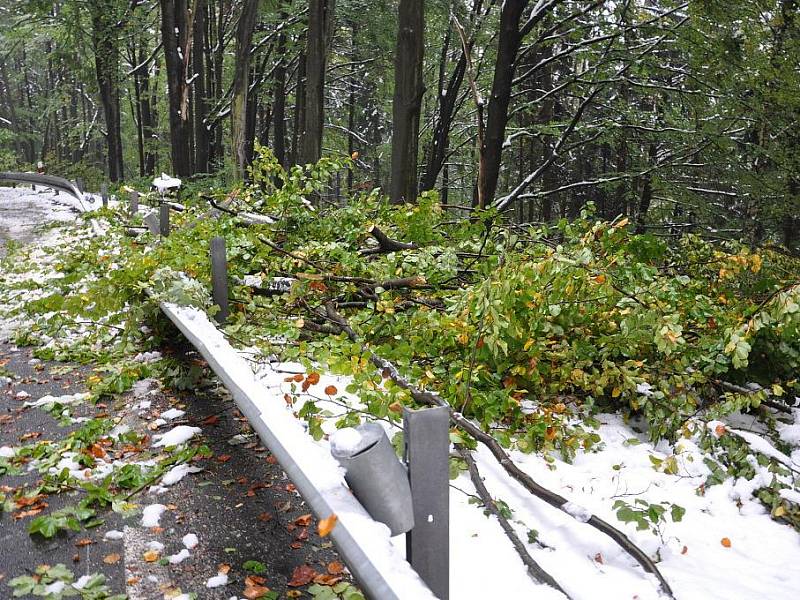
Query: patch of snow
point(82, 581)
point(55, 588)
point(175, 474)
point(21, 395)
point(645, 389)
point(190, 540)
point(345, 441)
point(7, 452)
point(177, 436)
point(147, 357)
point(172, 413)
point(113, 535)
point(155, 546)
point(217, 581)
point(178, 558)
point(151, 515)
point(578, 512)
point(67, 399)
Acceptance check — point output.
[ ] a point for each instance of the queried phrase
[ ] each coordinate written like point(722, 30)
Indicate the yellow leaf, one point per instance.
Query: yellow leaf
point(615, 392)
point(600, 278)
point(326, 525)
point(111, 559)
point(779, 511)
point(151, 556)
point(528, 344)
point(622, 223)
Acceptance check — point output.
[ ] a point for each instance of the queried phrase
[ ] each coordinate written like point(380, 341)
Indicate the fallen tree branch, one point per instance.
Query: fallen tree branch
point(535, 570)
point(732, 387)
point(385, 243)
point(553, 499)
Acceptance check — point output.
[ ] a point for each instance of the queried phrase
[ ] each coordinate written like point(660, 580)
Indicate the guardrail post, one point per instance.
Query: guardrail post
point(104, 194)
point(164, 219)
point(427, 442)
point(79, 184)
point(134, 196)
point(219, 278)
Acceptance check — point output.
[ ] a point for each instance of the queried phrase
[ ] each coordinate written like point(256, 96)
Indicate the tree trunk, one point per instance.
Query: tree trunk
point(106, 61)
point(279, 99)
point(408, 91)
point(175, 35)
point(508, 44)
point(200, 102)
point(320, 27)
point(241, 83)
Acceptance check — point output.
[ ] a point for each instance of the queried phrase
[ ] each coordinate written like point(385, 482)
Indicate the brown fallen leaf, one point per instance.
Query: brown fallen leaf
point(302, 575)
point(272, 460)
point(725, 542)
point(151, 556)
point(27, 500)
point(96, 450)
point(303, 520)
point(133, 580)
point(265, 517)
point(296, 545)
point(224, 568)
point(212, 420)
point(32, 435)
point(335, 567)
point(293, 593)
point(223, 458)
point(255, 580)
point(83, 542)
point(111, 559)
point(598, 558)
point(252, 592)
point(326, 579)
point(326, 525)
point(302, 535)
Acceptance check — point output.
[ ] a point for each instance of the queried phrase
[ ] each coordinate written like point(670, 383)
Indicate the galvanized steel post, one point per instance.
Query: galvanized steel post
point(427, 453)
point(219, 278)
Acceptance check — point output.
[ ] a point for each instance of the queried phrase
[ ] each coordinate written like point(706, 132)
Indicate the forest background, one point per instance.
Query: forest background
point(681, 116)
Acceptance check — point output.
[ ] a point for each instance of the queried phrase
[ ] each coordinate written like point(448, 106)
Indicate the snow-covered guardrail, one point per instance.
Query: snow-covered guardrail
point(363, 543)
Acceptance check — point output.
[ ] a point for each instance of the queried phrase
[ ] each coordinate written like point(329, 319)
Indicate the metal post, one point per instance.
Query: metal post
point(104, 193)
point(79, 184)
point(219, 278)
point(427, 443)
point(134, 202)
point(164, 218)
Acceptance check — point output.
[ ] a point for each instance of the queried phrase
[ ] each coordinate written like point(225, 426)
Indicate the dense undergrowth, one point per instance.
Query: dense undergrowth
point(529, 330)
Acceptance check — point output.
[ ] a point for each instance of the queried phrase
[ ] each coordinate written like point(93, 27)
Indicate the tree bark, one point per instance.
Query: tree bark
point(408, 92)
point(508, 44)
point(175, 34)
point(320, 27)
point(106, 62)
point(241, 83)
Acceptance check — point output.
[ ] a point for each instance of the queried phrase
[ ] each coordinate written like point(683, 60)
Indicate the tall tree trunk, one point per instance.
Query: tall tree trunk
point(176, 31)
point(299, 109)
point(408, 92)
point(200, 102)
point(320, 27)
point(279, 98)
point(508, 44)
point(241, 83)
point(106, 62)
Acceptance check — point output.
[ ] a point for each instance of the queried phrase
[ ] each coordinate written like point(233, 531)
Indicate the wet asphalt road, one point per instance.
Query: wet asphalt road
point(241, 506)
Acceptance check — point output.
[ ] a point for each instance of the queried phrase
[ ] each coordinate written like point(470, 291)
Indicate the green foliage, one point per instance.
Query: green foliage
point(646, 515)
point(95, 588)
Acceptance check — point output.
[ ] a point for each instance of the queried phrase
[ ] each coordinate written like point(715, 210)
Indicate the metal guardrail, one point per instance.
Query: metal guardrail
point(51, 181)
